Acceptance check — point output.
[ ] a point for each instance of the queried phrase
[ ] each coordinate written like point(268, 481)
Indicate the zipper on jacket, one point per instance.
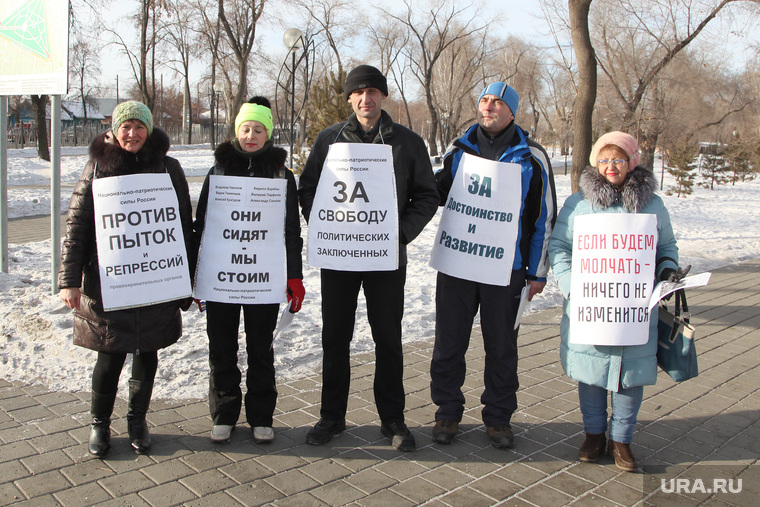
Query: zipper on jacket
point(137, 332)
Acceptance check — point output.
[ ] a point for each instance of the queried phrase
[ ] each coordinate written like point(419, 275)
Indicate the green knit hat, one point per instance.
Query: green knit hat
point(255, 112)
point(131, 110)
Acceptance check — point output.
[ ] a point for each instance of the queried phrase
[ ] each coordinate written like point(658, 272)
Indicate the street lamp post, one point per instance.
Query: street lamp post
point(217, 92)
point(212, 118)
point(293, 39)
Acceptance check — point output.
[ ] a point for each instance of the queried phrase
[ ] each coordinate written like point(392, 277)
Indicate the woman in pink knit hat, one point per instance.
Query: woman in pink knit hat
point(615, 183)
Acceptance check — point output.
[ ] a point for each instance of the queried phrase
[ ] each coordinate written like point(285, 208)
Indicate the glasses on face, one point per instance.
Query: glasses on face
point(618, 162)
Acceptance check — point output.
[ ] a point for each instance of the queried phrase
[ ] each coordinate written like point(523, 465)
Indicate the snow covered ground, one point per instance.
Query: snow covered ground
point(714, 228)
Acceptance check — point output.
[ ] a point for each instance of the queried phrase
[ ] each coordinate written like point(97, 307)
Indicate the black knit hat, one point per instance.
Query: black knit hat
point(365, 76)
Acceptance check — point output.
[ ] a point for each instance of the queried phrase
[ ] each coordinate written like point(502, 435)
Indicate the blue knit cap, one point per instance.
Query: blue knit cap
point(504, 92)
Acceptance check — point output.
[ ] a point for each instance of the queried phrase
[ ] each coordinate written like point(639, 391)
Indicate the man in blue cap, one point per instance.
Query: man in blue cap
point(512, 176)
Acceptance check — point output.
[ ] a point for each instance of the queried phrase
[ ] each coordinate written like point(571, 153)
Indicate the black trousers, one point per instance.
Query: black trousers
point(225, 395)
point(105, 375)
point(384, 293)
point(456, 304)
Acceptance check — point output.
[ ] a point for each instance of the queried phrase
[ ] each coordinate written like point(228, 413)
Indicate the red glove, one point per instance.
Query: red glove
point(296, 292)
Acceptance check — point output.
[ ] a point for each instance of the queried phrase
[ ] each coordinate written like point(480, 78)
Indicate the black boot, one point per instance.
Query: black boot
point(139, 400)
point(100, 433)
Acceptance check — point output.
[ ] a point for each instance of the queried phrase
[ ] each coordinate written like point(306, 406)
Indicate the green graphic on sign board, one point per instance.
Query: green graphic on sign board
point(27, 28)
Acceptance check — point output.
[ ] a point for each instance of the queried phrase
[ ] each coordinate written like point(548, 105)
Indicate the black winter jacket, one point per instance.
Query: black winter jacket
point(268, 162)
point(132, 330)
point(416, 189)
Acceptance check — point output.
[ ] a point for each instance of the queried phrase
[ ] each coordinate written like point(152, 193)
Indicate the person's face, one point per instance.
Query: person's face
point(493, 114)
point(612, 163)
point(367, 104)
point(252, 135)
point(131, 135)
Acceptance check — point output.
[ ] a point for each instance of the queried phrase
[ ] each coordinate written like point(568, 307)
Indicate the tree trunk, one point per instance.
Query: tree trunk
point(187, 114)
point(38, 104)
point(433, 134)
point(647, 146)
point(586, 97)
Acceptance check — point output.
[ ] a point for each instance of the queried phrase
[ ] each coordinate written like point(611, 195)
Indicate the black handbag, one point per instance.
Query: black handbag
point(676, 353)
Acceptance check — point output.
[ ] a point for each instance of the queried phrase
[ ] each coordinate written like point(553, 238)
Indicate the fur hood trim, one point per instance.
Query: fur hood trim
point(636, 192)
point(113, 160)
point(269, 159)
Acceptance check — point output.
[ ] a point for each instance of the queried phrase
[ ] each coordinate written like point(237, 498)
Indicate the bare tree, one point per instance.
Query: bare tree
point(180, 35)
point(209, 38)
point(39, 103)
point(143, 62)
point(634, 51)
point(84, 66)
point(328, 31)
point(390, 41)
point(520, 64)
point(433, 33)
point(456, 78)
point(556, 106)
point(329, 23)
point(587, 79)
point(238, 19)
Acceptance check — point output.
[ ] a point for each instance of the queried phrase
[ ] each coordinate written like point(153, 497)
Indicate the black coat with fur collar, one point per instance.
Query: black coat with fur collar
point(268, 162)
point(147, 328)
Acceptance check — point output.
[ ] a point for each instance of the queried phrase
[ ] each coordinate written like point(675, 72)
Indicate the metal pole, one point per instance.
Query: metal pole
point(4, 184)
point(55, 191)
point(213, 119)
point(292, 103)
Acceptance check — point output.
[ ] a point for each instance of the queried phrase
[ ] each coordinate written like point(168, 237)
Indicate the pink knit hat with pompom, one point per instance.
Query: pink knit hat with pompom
point(625, 142)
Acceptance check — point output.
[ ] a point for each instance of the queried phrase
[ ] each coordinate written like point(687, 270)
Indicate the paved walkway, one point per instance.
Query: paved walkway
point(706, 431)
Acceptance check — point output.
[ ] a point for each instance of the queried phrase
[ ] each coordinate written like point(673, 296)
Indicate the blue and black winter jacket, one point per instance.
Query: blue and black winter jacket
point(539, 201)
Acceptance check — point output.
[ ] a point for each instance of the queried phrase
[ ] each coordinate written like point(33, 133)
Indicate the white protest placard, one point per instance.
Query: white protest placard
point(477, 234)
point(242, 256)
point(353, 224)
point(141, 247)
point(612, 278)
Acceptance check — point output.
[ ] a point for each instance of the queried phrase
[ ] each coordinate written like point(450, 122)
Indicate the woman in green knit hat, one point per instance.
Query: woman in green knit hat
point(133, 146)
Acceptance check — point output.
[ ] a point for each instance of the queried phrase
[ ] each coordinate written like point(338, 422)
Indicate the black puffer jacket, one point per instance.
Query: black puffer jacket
point(132, 330)
point(268, 162)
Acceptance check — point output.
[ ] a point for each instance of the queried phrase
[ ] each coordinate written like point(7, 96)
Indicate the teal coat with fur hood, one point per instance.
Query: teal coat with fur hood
point(610, 367)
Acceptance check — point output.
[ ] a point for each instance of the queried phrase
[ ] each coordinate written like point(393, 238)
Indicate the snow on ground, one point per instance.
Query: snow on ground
point(714, 228)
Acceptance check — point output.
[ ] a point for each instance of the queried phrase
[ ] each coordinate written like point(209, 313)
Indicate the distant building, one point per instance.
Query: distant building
point(106, 107)
point(73, 114)
point(712, 148)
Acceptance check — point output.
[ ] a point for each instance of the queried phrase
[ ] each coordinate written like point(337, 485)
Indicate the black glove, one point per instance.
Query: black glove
point(674, 275)
point(666, 274)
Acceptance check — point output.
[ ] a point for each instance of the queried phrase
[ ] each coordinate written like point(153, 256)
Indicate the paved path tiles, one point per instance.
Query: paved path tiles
point(699, 441)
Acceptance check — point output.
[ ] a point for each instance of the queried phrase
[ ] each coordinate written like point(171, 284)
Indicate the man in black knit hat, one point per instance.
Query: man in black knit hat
point(371, 160)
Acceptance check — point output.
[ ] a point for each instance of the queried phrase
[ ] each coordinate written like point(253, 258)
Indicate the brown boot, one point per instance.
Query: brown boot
point(445, 430)
point(624, 459)
point(592, 447)
point(501, 436)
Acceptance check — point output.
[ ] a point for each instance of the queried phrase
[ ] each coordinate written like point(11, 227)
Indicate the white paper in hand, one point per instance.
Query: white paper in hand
point(286, 317)
point(523, 304)
point(662, 289)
